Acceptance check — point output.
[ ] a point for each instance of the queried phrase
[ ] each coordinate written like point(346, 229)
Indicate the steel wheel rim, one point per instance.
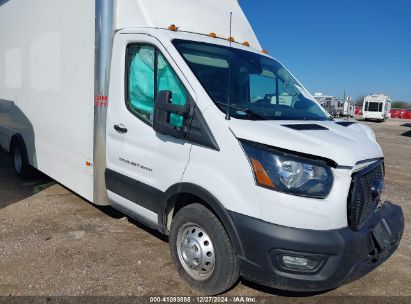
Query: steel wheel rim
point(18, 162)
point(196, 251)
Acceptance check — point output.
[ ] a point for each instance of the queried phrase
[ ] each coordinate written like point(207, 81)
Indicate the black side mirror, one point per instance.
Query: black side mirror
point(163, 108)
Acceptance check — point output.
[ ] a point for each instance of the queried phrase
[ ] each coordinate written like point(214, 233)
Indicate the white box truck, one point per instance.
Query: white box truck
point(376, 107)
point(170, 112)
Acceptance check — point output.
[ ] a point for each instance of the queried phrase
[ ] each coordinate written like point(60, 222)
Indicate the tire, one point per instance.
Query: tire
point(197, 225)
point(20, 160)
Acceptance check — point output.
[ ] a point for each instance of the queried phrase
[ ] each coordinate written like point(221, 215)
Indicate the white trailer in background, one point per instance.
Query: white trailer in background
point(376, 107)
point(339, 107)
point(334, 106)
point(329, 103)
point(170, 112)
point(348, 108)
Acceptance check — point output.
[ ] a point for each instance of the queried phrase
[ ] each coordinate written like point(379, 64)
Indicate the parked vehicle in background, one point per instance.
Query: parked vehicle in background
point(329, 103)
point(339, 107)
point(334, 106)
point(376, 107)
point(162, 111)
point(348, 108)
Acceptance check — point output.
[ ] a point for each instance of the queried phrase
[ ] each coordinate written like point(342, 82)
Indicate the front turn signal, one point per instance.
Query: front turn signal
point(260, 174)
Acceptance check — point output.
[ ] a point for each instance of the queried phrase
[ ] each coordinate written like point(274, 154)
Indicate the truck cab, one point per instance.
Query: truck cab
point(223, 128)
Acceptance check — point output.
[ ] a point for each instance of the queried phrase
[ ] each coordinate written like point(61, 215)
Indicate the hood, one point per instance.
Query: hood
point(343, 142)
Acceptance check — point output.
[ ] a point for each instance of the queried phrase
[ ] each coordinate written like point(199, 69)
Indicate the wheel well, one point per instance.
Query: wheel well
point(179, 201)
point(15, 139)
point(183, 199)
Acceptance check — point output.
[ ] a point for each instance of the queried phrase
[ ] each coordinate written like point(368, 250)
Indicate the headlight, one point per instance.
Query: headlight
point(288, 173)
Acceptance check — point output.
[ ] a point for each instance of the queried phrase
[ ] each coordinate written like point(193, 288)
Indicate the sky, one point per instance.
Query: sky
point(362, 46)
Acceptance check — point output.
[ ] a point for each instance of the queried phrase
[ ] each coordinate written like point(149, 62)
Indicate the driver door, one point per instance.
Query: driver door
point(141, 163)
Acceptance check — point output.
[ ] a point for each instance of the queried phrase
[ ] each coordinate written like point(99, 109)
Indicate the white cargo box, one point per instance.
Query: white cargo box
point(196, 16)
point(47, 85)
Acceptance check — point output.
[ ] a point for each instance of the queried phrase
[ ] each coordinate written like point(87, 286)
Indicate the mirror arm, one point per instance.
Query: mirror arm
point(176, 109)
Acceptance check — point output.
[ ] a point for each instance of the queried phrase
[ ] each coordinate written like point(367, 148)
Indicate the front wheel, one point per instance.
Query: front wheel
point(202, 250)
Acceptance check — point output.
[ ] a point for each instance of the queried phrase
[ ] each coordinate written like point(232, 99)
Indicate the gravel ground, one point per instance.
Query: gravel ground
point(54, 243)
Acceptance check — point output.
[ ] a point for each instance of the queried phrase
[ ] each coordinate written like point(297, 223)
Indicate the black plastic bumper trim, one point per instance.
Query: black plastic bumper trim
point(348, 255)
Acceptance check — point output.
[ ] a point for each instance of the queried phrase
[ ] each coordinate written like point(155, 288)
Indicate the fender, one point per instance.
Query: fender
point(212, 203)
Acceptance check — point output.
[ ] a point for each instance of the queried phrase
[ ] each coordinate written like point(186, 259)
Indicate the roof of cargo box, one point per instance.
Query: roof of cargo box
point(197, 16)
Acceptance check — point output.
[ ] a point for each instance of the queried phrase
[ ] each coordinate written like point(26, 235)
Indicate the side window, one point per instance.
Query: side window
point(141, 80)
point(148, 73)
point(167, 80)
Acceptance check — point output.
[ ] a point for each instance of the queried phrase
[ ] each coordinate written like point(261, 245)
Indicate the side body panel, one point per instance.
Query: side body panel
point(387, 109)
point(47, 85)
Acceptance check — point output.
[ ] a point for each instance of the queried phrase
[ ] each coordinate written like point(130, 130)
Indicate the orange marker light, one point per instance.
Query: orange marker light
point(173, 28)
point(264, 51)
point(261, 174)
point(212, 35)
point(231, 39)
point(88, 164)
point(246, 43)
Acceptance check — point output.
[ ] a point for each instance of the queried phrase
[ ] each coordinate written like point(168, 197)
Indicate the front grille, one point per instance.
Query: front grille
point(362, 202)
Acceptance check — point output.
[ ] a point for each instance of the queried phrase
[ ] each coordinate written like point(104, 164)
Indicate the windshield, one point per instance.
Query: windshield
point(255, 86)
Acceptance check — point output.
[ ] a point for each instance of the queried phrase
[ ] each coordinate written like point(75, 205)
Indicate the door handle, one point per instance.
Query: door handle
point(120, 129)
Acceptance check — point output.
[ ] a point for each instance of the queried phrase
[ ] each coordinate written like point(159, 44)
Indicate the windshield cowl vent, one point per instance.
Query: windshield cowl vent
point(304, 127)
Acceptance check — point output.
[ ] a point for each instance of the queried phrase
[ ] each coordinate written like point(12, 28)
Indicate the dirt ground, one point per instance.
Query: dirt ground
point(53, 243)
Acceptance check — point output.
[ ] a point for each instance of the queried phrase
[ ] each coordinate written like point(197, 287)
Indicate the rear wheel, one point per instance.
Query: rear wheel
point(202, 250)
point(20, 160)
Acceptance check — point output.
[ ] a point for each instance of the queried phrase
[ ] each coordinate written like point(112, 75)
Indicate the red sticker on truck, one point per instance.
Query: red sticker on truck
point(101, 101)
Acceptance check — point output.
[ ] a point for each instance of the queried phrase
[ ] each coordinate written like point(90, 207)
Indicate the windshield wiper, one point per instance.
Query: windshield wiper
point(246, 110)
point(303, 118)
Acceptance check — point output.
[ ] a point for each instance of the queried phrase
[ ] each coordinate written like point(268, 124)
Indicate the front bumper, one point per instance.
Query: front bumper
point(345, 255)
